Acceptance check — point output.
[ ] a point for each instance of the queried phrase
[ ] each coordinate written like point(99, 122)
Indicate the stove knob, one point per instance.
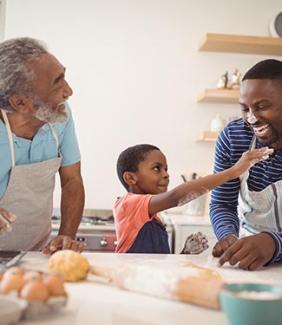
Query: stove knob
point(103, 242)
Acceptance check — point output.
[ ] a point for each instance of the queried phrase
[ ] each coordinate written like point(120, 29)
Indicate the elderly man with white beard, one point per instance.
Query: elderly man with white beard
point(37, 139)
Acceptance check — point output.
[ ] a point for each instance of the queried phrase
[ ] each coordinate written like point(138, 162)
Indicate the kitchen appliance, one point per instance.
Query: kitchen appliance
point(97, 230)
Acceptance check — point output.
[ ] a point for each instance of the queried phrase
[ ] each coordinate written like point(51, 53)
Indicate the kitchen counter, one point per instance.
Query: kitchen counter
point(96, 303)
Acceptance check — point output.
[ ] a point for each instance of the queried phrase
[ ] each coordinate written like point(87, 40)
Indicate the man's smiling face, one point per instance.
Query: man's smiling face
point(261, 102)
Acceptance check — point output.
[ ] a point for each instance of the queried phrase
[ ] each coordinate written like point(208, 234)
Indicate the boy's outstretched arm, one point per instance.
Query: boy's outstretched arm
point(191, 190)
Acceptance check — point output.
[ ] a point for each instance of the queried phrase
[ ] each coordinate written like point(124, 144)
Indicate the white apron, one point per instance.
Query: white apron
point(260, 211)
point(29, 196)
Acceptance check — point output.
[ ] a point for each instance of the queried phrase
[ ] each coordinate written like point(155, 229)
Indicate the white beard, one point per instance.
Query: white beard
point(46, 114)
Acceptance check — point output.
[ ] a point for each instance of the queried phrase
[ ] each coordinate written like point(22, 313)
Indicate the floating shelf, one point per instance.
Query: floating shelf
point(241, 44)
point(208, 136)
point(219, 96)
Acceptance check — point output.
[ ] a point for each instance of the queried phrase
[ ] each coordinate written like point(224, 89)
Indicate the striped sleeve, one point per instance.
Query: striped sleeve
point(224, 198)
point(277, 237)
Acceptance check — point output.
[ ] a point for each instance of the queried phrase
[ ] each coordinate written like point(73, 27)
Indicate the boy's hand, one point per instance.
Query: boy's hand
point(250, 158)
point(195, 244)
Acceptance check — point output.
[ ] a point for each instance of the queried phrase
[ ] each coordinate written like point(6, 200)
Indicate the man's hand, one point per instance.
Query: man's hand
point(62, 242)
point(6, 219)
point(222, 245)
point(250, 252)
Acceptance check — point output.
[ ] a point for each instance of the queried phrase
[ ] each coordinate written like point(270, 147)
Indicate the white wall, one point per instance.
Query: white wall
point(2, 18)
point(135, 71)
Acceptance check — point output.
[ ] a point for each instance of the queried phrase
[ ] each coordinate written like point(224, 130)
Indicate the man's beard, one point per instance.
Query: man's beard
point(46, 113)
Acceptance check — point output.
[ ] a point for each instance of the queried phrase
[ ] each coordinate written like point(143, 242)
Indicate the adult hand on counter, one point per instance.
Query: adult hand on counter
point(223, 244)
point(62, 242)
point(250, 252)
point(6, 219)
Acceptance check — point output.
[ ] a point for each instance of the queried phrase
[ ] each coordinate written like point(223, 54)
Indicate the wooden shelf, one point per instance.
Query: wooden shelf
point(219, 96)
point(208, 136)
point(241, 44)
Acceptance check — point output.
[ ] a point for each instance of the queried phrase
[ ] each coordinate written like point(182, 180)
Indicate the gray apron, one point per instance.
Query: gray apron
point(259, 211)
point(29, 196)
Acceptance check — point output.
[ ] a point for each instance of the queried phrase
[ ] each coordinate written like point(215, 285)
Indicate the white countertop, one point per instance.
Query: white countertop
point(95, 303)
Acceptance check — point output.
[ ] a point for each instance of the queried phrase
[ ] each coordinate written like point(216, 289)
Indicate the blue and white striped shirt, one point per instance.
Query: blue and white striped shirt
point(232, 142)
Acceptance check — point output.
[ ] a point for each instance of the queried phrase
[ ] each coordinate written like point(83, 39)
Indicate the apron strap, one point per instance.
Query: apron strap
point(244, 177)
point(10, 137)
point(55, 135)
point(253, 143)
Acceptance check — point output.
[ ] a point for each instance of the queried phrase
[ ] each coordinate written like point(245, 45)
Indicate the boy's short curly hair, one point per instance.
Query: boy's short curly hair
point(130, 158)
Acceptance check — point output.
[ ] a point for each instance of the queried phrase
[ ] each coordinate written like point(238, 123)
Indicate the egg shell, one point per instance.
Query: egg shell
point(34, 291)
point(32, 276)
point(15, 270)
point(11, 282)
point(55, 285)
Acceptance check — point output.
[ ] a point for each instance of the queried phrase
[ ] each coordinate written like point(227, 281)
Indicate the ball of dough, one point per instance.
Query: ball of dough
point(71, 265)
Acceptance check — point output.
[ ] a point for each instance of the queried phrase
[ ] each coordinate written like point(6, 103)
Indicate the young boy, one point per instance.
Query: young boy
point(142, 169)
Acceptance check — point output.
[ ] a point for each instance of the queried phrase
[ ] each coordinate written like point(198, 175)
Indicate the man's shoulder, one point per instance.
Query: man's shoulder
point(238, 125)
point(238, 130)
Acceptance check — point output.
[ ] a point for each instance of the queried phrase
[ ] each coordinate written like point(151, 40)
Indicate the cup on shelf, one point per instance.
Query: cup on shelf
point(217, 124)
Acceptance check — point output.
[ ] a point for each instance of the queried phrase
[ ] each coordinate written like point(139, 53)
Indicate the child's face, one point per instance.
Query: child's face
point(152, 176)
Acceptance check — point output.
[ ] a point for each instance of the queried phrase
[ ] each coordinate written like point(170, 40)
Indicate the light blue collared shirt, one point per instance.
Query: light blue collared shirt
point(41, 148)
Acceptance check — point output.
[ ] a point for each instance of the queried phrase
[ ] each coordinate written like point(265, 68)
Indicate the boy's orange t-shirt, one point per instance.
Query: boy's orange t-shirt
point(130, 213)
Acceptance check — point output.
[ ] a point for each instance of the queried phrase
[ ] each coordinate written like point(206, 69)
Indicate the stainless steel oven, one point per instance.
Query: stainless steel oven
point(97, 230)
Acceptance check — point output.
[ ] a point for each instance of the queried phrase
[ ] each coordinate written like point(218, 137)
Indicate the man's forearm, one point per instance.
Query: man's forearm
point(72, 204)
point(224, 220)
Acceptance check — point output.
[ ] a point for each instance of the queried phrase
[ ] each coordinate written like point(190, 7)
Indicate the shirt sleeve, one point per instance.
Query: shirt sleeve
point(224, 198)
point(277, 237)
point(69, 148)
point(137, 209)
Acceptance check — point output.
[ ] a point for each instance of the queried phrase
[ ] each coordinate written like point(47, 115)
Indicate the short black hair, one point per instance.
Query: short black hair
point(266, 69)
point(130, 158)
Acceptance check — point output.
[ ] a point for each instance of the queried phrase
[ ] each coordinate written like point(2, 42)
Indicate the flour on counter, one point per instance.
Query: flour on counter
point(258, 295)
point(158, 281)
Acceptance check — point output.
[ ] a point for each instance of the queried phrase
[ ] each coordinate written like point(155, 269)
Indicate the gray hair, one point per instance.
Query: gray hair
point(15, 75)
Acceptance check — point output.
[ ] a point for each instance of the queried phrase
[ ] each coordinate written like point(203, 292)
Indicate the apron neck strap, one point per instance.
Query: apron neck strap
point(55, 135)
point(10, 137)
point(253, 143)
